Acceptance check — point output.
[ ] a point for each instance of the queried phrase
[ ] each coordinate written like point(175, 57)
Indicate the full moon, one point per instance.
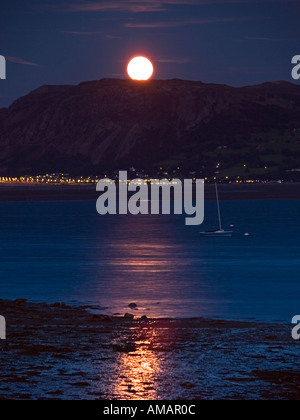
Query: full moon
point(140, 68)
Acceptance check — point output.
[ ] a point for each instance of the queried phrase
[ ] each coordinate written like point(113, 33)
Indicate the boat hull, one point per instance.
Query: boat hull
point(217, 234)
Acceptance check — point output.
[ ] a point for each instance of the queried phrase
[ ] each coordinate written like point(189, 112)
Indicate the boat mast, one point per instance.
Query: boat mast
point(218, 204)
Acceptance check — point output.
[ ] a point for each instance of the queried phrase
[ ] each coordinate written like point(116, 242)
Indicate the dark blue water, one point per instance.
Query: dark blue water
point(64, 251)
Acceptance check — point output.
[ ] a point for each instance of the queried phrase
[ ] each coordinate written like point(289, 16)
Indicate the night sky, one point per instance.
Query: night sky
point(237, 42)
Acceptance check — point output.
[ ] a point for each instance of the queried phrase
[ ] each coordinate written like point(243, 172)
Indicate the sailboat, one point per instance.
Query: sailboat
point(219, 232)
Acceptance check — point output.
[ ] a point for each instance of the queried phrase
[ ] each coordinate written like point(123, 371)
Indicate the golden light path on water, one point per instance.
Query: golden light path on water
point(144, 267)
point(137, 371)
point(139, 366)
point(145, 259)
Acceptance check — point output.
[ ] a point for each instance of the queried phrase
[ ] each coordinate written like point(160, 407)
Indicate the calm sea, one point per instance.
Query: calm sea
point(64, 251)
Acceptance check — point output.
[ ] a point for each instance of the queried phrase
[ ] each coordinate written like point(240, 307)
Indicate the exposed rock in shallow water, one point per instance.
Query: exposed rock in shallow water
point(128, 316)
point(20, 302)
point(59, 305)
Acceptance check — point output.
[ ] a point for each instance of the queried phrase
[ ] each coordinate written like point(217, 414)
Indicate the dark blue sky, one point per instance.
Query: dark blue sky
point(237, 42)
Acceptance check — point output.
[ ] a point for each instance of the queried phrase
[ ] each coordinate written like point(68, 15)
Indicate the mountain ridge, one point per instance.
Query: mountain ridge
point(114, 124)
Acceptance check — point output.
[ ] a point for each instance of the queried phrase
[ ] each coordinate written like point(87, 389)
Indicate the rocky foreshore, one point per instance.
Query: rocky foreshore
point(61, 352)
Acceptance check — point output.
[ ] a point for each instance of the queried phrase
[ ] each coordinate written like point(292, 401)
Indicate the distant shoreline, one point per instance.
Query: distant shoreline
point(39, 192)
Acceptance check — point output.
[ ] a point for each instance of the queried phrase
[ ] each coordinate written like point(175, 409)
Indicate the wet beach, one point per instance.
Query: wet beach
point(60, 352)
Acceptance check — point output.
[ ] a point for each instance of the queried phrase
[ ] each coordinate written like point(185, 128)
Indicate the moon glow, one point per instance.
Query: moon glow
point(140, 68)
